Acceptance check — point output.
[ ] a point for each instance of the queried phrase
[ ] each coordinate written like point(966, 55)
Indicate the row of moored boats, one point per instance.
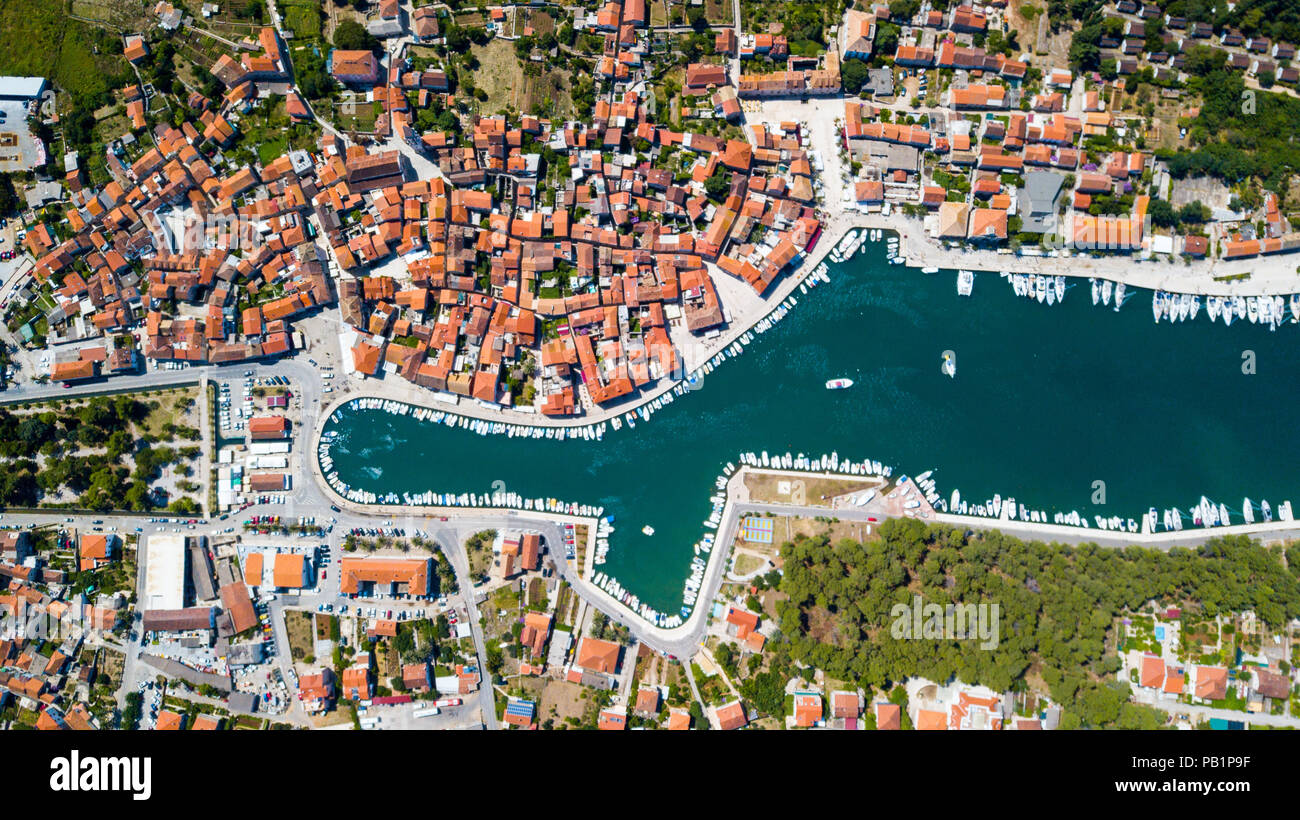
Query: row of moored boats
point(1262, 310)
point(1043, 288)
point(855, 241)
point(1205, 513)
point(429, 498)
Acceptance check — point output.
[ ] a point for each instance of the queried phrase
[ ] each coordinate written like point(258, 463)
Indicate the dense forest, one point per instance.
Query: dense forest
point(1240, 133)
point(84, 450)
point(1057, 607)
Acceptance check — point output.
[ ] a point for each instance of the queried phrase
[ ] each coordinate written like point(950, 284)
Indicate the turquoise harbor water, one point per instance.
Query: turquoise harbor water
point(1046, 401)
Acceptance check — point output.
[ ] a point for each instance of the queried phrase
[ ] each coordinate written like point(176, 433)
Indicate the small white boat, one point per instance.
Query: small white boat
point(648, 530)
point(1106, 287)
point(929, 270)
point(949, 366)
point(1096, 290)
point(1247, 511)
point(1119, 295)
point(965, 282)
point(839, 384)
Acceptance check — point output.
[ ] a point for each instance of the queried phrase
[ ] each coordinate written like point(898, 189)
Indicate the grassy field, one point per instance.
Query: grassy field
point(508, 85)
point(299, 626)
point(658, 13)
point(129, 15)
point(172, 409)
point(267, 132)
point(560, 701)
point(746, 563)
point(471, 19)
point(357, 115)
point(109, 122)
point(202, 50)
point(537, 19)
point(718, 12)
point(499, 74)
point(303, 17)
point(57, 47)
point(810, 490)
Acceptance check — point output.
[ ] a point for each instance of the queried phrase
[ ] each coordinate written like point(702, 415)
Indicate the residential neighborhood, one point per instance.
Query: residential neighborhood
point(230, 230)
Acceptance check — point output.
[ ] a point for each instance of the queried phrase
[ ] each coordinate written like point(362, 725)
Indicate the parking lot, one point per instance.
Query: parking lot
point(235, 407)
point(152, 697)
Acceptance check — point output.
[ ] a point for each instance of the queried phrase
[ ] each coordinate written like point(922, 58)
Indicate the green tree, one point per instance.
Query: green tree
point(352, 36)
point(718, 184)
point(853, 75)
point(9, 202)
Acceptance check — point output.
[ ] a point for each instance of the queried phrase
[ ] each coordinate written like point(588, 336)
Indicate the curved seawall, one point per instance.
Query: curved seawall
point(1067, 407)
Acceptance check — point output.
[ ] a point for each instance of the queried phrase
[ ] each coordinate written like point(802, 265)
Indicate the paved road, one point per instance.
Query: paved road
point(1207, 712)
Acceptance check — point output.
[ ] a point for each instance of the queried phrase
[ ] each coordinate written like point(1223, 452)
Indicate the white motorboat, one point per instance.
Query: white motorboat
point(949, 365)
point(839, 384)
point(965, 282)
point(648, 530)
point(1096, 290)
point(1106, 287)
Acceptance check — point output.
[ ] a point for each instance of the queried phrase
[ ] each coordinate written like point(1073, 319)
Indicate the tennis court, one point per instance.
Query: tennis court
point(756, 530)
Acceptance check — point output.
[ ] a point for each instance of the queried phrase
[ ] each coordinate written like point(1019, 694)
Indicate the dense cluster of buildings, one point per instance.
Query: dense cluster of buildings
point(1009, 152)
point(50, 657)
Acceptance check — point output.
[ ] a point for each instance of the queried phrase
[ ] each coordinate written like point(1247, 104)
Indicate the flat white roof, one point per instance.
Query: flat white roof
point(23, 88)
point(164, 579)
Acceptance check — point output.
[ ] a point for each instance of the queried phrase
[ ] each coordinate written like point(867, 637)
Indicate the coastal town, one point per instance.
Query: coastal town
point(240, 241)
